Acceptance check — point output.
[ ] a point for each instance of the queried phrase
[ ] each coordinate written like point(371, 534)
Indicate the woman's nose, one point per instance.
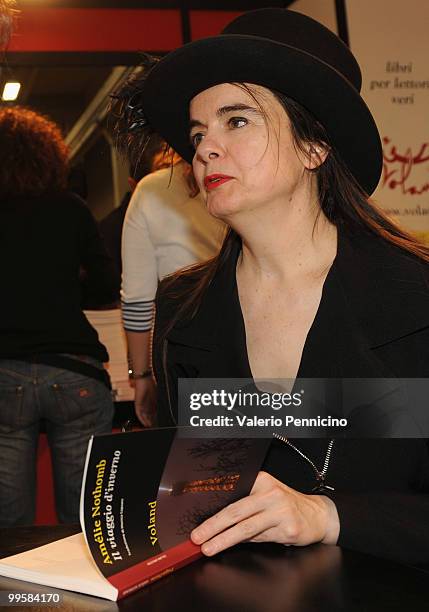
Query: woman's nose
point(209, 149)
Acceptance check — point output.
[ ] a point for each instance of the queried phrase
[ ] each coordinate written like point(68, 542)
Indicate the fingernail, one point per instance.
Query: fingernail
point(208, 549)
point(195, 536)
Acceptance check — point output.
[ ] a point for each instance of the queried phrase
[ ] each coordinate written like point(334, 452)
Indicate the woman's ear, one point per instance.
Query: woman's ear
point(316, 153)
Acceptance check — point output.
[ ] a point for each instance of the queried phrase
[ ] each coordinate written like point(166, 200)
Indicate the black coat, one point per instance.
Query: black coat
point(372, 322)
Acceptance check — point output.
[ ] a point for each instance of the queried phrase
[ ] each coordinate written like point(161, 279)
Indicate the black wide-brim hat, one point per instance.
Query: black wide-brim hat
point(281, 50)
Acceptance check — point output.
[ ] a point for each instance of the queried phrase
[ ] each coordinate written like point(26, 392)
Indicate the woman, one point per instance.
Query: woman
point(51, 366)
point(312, 280)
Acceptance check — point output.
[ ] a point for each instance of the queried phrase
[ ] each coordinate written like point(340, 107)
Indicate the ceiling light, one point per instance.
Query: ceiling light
point(11, 91)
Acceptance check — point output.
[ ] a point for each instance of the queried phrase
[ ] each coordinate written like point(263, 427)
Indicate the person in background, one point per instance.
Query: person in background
point(166, 228)
point(107, 319)
point(112, 225)
point(51, 360)
point(77, 181)
point(313, 280)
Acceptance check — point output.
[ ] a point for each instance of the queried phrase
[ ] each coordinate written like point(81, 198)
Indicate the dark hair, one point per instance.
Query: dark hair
point(7, 16)
point(142, 162)
point(135, 137)
point(33, 155)
point(341, 198)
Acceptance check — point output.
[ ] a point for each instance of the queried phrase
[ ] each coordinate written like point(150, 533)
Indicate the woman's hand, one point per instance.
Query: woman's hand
point(273, 512)
point(145, 401)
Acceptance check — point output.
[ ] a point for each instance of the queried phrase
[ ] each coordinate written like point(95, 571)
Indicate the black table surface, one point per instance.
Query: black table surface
point(248, 578)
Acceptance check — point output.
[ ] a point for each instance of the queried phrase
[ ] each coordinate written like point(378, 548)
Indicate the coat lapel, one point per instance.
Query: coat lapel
point(217, 330)
point(386, 288)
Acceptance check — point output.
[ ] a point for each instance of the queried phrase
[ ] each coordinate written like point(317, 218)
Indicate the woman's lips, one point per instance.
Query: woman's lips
point(215, 180)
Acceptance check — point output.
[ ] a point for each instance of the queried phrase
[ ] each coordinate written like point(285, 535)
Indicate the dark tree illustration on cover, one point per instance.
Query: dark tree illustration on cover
point(215, 470)
point(224, 455)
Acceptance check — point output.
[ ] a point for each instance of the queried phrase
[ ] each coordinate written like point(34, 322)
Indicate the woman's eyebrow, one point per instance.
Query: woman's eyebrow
point(223, 110)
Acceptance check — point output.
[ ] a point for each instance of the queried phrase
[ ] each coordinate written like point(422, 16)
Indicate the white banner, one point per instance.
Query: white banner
point(391, 43)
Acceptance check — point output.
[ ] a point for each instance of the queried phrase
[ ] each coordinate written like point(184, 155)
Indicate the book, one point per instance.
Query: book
point(142, 494)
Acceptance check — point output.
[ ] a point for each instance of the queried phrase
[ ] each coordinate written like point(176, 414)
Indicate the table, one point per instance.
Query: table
point(248, 578)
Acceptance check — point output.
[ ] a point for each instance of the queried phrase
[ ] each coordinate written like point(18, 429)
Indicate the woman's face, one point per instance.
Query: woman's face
point(243, 159)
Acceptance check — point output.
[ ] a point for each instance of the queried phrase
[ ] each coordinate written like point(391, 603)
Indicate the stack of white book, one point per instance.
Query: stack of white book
point(108, 324)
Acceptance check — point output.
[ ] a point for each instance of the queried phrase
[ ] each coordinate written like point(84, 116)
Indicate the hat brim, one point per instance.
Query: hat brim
point(197, 66)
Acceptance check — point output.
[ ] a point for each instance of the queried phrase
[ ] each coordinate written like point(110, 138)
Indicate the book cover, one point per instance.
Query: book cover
point(142, 494)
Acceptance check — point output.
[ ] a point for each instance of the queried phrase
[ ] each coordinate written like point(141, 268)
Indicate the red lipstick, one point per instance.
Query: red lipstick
point(212, 181)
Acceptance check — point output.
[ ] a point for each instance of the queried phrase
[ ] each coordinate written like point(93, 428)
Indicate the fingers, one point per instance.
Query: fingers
point(146, 418)
point(272, 512)
point(145, 402)
point(237, 514)
point(237, 511)
point(141, 417)
point(251, 529)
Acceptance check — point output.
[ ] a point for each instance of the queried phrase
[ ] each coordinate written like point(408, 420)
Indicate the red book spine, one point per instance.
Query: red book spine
point(145, 572)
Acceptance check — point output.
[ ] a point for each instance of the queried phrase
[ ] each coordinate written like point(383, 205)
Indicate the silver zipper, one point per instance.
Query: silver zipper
point(320, 474)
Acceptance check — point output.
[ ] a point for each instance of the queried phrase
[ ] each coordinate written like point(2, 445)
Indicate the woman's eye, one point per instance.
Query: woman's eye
point(237, 122)
point(196, 139)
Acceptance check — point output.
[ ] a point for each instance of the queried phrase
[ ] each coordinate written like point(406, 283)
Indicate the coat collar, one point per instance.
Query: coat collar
point(385, 289)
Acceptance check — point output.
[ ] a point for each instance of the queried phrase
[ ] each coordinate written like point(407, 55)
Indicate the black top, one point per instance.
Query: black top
point(111, 231)
point(45, 242)
point(372, 322)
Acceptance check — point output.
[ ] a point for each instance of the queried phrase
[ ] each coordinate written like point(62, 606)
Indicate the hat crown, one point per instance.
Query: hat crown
point(285, 52)
point(301, 32)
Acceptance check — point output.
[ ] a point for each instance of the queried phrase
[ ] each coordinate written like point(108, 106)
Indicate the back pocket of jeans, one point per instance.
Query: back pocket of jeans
point(82, 405)
point(11, 409)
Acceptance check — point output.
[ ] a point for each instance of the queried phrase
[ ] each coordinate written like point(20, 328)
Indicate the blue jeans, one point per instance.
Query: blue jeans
point(74, 407)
